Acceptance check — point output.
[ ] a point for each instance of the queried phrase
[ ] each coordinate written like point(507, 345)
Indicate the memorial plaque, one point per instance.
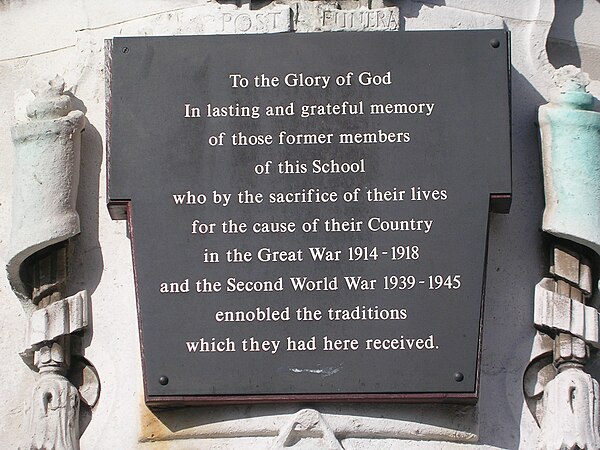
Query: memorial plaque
point(308, 213)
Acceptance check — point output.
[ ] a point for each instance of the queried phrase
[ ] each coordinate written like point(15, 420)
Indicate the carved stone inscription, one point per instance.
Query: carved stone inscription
point(277, 19)
point(362, 19)
point(309, 217)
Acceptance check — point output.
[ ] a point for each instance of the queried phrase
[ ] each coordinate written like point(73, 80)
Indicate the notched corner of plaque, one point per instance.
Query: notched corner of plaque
point(500, 203)
point(118, 209)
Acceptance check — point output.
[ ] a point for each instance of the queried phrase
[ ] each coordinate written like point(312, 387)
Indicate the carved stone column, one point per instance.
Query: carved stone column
point(46, 176)
point(570, 130)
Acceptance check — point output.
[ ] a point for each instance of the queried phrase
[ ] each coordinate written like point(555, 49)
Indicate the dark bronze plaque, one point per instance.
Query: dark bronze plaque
point(309, 212)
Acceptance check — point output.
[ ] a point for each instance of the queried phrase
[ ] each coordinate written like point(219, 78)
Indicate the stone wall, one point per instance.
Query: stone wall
point(42, 39)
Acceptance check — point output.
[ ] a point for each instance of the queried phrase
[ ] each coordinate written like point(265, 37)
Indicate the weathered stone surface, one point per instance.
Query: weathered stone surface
point(569, 267)
point(439, 423)
point(55, 414)
point(360, 19)
point(555, 312)
point(46, 176)
point(448, 15)
point(569, 348)
point(274, 20)
point(85, 378)
point(59, 318)
point(570, 133)
point(210, 18)
point(307, 429)
point(44, 218)
point(572, 400)
point(538, 373)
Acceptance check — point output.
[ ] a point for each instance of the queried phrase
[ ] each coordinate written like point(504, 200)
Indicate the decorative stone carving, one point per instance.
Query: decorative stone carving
point(538, 374)
point(60, 318)
point(570, 131)
point(44, 218)
point(277, 19)
point(437, 424)
point(360, 19)
point(364, 15)
point(55, 414)
point(568, 411)
point(46, 176)
point(571, 269)
point(307, 429)
point(555, 312)
point(573, 424)
point(216, 18)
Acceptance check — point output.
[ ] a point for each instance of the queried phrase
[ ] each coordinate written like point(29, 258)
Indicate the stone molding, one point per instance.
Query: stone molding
point(439, 423)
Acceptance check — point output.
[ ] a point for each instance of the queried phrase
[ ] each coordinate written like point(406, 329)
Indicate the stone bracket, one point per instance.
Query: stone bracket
point(557, 313)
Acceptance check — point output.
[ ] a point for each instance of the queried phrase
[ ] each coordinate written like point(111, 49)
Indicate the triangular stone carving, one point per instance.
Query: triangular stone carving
point(307, 430)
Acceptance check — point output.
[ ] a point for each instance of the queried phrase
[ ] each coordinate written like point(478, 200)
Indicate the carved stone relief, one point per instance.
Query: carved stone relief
point(568, 410)
point(44, 219)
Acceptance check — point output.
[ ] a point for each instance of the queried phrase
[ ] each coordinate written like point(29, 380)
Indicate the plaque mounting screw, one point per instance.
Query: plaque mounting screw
point(125, 49)
point(163, 380)
point(495, 43)
point(458, 376)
